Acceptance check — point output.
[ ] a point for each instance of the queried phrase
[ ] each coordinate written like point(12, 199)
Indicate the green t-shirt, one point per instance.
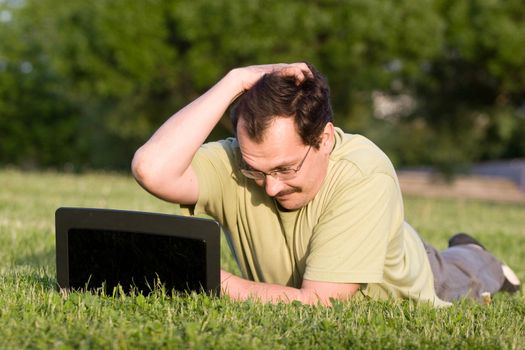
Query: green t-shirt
point(353, 231)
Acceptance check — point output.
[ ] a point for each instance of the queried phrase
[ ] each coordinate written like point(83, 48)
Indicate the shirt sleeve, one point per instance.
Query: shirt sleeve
point(213, 167)
point(349, 243)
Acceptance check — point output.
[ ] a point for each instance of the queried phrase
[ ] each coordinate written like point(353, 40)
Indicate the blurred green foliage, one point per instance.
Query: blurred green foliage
point(84, 83)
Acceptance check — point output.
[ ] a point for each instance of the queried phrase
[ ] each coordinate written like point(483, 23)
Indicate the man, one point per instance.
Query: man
point(311, 213)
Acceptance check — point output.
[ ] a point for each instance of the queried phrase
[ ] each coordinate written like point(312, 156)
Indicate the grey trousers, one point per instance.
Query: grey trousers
point(464, 271)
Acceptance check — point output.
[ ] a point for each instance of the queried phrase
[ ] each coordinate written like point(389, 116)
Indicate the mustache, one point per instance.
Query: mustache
point(288, 191)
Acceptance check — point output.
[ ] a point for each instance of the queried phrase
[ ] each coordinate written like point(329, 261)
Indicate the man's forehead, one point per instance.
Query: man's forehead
point(279, 130)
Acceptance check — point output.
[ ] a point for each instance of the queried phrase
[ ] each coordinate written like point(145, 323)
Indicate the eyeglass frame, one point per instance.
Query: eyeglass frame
point(276, 174)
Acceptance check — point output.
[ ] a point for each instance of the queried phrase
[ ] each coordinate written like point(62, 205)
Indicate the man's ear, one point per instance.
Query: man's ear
point(327, 138)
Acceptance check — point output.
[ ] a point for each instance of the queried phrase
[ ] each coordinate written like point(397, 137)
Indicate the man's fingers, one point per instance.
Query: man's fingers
point(299, 70)
point(251, 74)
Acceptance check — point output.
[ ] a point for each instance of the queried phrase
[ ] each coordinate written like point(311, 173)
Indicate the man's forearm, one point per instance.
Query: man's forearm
point(170, 150)
point(240, 289)
point(311, 292)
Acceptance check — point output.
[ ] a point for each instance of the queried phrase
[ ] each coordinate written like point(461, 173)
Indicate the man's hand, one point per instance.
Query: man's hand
point(311, 292)
point(248, 76)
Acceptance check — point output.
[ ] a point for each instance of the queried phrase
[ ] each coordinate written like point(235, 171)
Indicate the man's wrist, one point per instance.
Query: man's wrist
point(225, 275)
point(233, 79)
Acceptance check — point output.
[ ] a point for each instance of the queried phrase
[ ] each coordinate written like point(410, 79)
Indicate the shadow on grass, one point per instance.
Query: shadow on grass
point(25, 278)
point(42, 258)
point(47, 281)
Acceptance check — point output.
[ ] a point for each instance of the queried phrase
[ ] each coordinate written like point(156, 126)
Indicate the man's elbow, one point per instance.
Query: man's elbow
point(139, 168)
point(310, 298)
point(143, 170)
point(325, 293)
point(161, 182)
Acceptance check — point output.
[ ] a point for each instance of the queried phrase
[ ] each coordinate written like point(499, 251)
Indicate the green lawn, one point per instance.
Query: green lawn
point(34, 315)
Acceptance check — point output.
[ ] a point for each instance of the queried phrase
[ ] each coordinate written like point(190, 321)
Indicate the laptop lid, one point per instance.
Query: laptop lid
point(104, 248)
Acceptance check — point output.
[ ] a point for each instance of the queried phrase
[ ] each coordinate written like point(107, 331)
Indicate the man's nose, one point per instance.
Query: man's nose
point(272, 185)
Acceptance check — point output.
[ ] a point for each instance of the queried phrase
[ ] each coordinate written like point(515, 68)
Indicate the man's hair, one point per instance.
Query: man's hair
point(275, 95)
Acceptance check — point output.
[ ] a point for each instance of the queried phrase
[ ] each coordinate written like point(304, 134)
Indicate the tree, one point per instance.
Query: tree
point(37, 128)
point(109, 72)
point(472, 93)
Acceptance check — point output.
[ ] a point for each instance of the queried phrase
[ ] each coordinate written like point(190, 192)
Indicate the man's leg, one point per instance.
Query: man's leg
point(466, 269)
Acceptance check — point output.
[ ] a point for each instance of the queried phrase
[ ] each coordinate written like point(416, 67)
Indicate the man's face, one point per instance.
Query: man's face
point(282, 148)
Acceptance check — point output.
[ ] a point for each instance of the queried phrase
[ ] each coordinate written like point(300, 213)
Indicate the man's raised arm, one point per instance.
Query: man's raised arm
point(163, 164)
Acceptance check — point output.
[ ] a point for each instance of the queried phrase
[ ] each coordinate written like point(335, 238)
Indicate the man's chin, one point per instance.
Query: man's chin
point(288, 203)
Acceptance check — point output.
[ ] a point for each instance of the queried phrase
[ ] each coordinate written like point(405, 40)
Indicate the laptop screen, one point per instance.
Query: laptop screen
point(104, 248)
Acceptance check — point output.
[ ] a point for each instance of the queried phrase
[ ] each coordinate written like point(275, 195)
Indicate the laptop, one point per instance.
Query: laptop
point(141, 251)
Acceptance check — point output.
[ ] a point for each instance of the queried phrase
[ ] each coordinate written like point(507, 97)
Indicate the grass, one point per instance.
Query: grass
point(34, 315)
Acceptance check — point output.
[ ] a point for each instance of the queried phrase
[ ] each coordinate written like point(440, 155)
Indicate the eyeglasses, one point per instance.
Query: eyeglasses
point(281, 174)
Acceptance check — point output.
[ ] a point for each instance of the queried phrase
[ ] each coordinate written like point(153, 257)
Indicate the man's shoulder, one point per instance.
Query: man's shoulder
point(221, 158)
point(229, 143)
point(360, 152)
point(227, 148)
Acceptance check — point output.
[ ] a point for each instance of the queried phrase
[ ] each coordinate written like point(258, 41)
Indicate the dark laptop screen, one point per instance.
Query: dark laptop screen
point(106, 247)
point(137, 260)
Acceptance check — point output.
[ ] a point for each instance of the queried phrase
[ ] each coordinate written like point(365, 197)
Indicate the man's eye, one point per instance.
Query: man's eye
point(284, 171)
